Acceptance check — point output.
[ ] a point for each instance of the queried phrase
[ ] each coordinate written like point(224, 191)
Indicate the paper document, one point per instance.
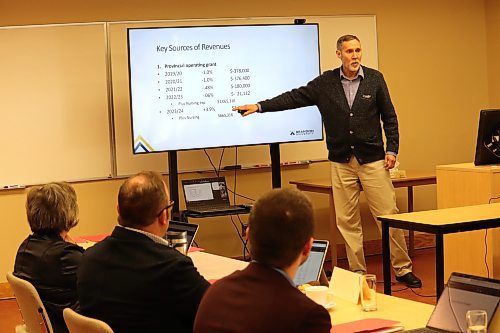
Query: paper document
point(345, 284)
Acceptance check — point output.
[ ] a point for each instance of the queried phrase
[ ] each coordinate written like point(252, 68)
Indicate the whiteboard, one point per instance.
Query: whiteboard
point(54, 104)
point(65, 103)
point(127, 163)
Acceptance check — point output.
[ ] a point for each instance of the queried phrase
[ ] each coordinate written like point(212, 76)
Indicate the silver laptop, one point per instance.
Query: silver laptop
point(463, 292)
point(190, 229)
point(310, 270)
point(209, 196)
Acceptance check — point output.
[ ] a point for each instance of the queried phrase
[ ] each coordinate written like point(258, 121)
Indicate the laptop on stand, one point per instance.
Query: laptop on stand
point(209, 196)
point(463, 292)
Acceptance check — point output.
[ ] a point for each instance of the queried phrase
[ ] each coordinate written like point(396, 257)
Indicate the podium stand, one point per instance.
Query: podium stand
point(464, 185)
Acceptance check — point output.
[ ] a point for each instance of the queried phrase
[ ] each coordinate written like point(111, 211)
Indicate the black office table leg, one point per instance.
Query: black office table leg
point(411, 233)
point(439, 265)
point(386, 258)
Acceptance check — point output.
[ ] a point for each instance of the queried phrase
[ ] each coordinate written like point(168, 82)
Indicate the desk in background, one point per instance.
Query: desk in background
point(438, 222)
point(465, 185)
point(324, 185)
point(411, 314)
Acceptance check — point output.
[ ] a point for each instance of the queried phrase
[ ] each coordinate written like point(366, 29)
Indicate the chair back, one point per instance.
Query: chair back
point(78, 323)
point(32, 310)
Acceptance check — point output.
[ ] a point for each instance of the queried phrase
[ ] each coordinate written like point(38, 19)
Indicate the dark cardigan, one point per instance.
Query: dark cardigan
point(355, 131)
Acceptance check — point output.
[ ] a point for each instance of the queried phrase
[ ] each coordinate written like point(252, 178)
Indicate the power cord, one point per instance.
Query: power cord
point(406, 288)
point(420, 295)
point(243, 241)
point(235, 194)
point(486, 252)
point(216, 171)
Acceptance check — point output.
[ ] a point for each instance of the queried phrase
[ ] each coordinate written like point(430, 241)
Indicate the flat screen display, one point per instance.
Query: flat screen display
point(184, 81)
point(488, 138)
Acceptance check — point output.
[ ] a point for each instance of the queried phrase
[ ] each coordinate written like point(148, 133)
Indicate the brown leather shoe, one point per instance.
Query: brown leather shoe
point(410, 279)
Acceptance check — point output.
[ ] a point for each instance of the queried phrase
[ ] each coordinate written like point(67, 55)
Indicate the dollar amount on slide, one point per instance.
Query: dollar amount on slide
point(187, 90)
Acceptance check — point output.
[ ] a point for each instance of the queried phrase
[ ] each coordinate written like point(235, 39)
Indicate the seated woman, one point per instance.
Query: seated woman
point(49, 258)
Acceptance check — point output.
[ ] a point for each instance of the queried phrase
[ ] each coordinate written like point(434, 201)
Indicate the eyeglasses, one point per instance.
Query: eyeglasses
point(170, 205)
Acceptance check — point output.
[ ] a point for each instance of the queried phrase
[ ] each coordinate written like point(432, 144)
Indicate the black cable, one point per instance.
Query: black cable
point(211, 163)
point(243, 241)
point(486, 243)
point(217, 173)
point(491, 199)
point(240, 195)
point(220, 161)
point(486, 252)
point(413, 291)
point(406, 288)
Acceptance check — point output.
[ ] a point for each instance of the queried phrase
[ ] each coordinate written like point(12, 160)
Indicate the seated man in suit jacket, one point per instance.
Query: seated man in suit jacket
point(133, 280)
point(263, 298)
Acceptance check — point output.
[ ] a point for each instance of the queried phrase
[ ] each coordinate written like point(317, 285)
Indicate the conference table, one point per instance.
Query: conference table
point(324, 186)
point(438, 222)
point(410, 314)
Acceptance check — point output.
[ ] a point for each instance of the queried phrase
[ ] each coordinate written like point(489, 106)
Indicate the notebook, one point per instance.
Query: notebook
point(310, 270)
point(463, 292)
point(190, 228)
point(209, 196)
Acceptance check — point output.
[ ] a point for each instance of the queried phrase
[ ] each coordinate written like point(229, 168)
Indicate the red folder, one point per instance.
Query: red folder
point(372, 325)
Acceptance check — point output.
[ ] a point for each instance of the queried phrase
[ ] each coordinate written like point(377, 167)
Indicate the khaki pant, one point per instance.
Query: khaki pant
point(381, 199)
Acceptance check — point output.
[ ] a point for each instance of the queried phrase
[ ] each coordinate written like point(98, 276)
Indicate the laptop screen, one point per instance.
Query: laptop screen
point(310, 270)
point(205, 192)
point(462, 293)
point(191, 230)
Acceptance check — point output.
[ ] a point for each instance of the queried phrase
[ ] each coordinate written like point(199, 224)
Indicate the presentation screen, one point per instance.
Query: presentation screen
point(185, 80)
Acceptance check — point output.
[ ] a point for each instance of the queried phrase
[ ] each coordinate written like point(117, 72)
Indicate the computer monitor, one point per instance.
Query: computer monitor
point(488, 138)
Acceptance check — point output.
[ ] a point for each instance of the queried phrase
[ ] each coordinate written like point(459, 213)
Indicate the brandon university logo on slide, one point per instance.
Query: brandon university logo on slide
point(303, 132)
point(142, 146)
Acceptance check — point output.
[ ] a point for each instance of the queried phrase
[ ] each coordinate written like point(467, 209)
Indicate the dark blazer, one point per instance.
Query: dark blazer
point(371, 105)
point(137, 285)
point(50, 264)
point(259, 299)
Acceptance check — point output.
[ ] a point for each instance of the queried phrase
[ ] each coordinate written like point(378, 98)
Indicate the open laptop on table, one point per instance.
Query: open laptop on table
point(463, 292)
point(190, 229)
point(206, 196)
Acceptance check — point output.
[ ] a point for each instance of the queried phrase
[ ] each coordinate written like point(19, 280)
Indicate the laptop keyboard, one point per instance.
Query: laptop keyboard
point(208, 209)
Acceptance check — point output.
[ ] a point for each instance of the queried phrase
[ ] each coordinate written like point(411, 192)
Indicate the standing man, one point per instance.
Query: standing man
point(262, 297)
point(133, 280)
point(353, 100)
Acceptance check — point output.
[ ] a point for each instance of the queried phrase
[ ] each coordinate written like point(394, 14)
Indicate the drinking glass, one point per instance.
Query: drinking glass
point(477, 321)
point(368, 290)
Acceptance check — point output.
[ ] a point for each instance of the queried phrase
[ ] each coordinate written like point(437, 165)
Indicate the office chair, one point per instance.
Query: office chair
point(78, 323)
point(32, 309)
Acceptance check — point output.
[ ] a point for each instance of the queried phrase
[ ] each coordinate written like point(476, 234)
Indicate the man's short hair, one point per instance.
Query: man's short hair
point(280, 224)
point(52, 208)
point(345, 38)
point(141, 198)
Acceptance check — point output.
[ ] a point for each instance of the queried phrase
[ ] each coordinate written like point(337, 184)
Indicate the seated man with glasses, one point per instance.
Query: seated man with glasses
point(133, 280)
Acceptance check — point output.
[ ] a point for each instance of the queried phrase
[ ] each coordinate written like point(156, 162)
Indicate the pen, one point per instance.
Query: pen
point(13, 187)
